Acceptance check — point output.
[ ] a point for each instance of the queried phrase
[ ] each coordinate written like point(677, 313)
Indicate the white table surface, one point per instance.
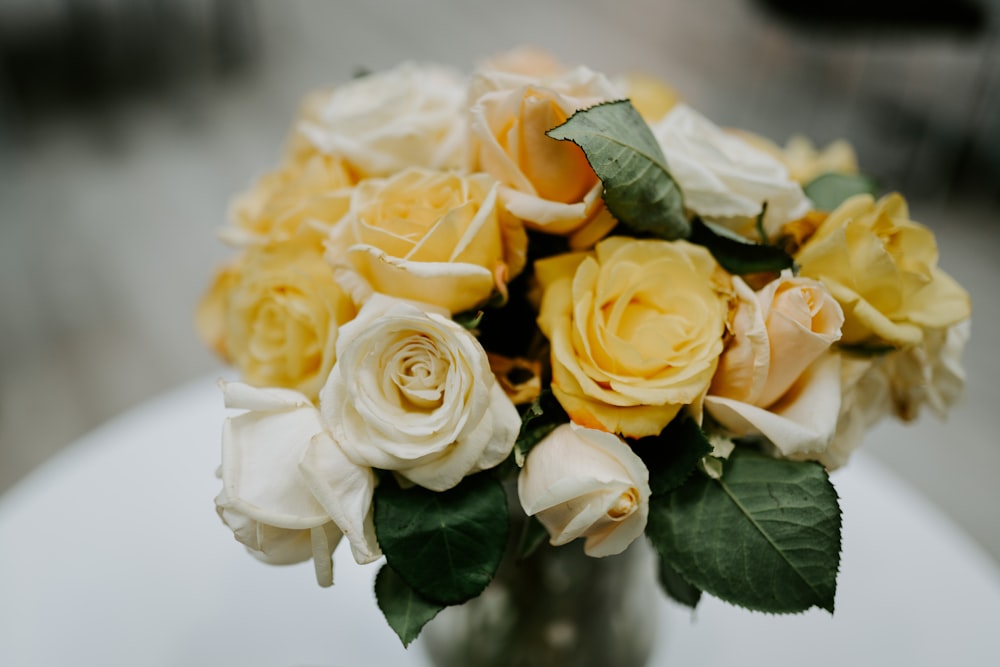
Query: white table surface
point(112, 554)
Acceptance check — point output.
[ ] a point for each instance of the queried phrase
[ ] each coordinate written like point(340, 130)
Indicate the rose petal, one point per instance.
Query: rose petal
point(345, 491)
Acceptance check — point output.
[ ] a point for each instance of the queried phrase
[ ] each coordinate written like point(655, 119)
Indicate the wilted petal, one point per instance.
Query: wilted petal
point(345, 490)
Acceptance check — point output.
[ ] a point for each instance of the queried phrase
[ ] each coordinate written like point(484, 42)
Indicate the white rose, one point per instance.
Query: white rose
point(413, 392)
point(267, 501)
point(582, 482)
point(723, 178)
point(411, 115)
point(776, 377)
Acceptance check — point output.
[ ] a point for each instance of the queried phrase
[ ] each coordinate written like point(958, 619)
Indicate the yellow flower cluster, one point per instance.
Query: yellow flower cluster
point(410, 199)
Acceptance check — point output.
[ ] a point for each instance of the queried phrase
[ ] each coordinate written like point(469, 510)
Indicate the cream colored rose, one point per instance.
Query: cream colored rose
point(547, 183)
point(723, 178)
point(580, 482)
point(274, 313)
point(776, 377)
point(428, 236)
point(882, 269)
point(265, 500)
point(864, 401)
point(928, 374)
point(636, 329)
point(412, 392)
point(408, 116)
point(313, 193)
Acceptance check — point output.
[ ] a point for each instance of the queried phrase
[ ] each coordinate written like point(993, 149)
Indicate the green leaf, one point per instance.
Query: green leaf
point(541, 418)
point(406, 610)
point(676, 587)
point(447, 545)
point(736, 254)
point(673, 454)
point(765, 537)
point(830, 190)
point(469, 319)
point(638, 188)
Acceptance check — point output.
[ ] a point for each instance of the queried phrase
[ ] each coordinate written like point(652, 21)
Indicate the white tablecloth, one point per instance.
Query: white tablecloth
point(111, 554)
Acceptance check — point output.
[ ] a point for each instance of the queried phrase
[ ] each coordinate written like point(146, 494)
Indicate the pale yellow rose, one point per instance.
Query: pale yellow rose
point(636, 329)
point(314, 192)
point(651, 97)
point(435, 237)
point(547, 183)
point(581, 482)
point(802, 159)
point(882, 269)
point(274, 313)
point(776, 377)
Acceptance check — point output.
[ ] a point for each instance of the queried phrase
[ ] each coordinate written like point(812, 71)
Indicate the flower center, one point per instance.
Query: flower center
point(418, 373)
point(624, 505)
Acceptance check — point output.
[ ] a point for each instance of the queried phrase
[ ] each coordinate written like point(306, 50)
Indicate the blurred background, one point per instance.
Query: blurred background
point(126, 126)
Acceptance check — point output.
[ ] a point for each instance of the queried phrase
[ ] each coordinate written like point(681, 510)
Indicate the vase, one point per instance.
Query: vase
point(556, 607)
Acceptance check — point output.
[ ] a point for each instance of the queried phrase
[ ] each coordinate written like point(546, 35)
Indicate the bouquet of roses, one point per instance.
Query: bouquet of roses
point(536, 273)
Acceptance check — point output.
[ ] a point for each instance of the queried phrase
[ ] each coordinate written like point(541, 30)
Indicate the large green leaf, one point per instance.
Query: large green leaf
point(673, 454)
point(406, 610)
point(676, 587)
point(765, 536)
point(446, 545)
point(830, 190)
point(638, 188)
point(736, 254)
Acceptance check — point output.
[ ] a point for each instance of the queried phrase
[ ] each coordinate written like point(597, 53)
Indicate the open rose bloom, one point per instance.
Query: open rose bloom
point(456, 288)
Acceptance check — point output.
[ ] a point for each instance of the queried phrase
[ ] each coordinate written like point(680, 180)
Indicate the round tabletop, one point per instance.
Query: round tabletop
point(112, 554)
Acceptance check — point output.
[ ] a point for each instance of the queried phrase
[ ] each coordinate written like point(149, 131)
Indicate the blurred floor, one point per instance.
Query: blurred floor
point(109, 196)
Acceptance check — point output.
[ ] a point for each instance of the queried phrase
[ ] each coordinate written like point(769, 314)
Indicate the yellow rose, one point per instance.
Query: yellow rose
point(651, 97)
point(427, 236)
point(547, 183)
point(636, 331)
point(315, 192)
point(802, 159)
point(524, 61)
point(274, 313)
point(882, 269)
